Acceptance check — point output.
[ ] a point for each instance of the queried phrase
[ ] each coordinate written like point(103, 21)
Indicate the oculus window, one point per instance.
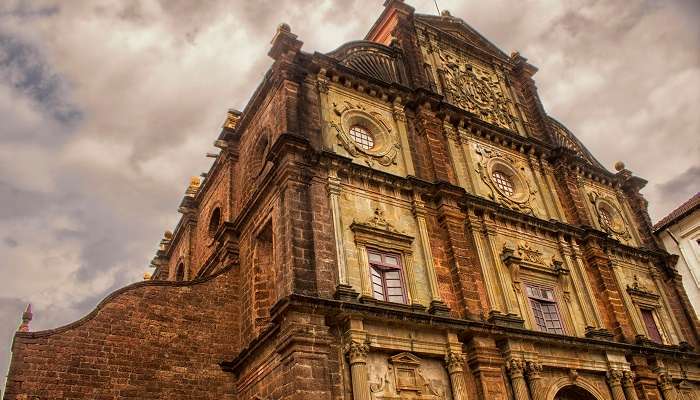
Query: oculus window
point(362, 137)
point(503, 182)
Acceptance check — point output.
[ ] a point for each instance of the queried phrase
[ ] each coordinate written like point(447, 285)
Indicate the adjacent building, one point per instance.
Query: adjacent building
point(396, 219)
point(679, 232)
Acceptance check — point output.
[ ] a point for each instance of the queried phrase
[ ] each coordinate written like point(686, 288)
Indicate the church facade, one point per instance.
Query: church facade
point(396, 219)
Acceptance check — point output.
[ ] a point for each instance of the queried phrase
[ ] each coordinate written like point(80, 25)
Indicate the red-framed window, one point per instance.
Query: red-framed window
point(650, 324)
point(387, 276)
point(545, 309)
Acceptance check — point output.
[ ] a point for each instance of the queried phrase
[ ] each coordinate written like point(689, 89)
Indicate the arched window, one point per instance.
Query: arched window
point(180, 272)
point(214, 221)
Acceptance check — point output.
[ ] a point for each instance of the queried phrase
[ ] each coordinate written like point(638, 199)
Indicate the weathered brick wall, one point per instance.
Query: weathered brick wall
point(149, 340)
point(216, 194)
point(181, 252)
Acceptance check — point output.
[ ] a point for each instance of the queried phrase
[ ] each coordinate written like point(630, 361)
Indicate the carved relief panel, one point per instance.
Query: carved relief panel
point(471, 84)
point(609, 214)
point(506, 180)
point(367, 130)
point(406, 376)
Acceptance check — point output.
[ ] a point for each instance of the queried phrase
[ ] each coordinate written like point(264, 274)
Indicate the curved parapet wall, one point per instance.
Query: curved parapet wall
point(372, 59)
point(564, 138)
point(149, 340)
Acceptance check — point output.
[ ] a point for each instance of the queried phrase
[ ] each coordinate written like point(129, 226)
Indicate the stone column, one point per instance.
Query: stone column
point(357, 355)
point(666, 386)
point(455, 367)
point(516, 369)
point(614, 381)
point(628, 385)
point(534, 379)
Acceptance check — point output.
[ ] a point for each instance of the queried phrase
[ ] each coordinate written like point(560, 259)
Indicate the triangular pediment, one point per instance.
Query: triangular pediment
point(459, 29)
point(405, 359)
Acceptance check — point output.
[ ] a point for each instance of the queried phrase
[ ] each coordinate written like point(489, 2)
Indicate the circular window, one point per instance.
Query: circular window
point(362, 137)
point(503, 182)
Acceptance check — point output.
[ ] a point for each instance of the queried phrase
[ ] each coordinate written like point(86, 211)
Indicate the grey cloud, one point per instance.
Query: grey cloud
point(151, 81)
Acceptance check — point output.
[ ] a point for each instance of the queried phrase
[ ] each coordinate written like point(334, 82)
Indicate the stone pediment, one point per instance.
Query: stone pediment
point(458, 28)
point(405, 359)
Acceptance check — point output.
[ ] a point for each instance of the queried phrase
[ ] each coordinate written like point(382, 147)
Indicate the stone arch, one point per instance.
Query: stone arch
point(579, 383)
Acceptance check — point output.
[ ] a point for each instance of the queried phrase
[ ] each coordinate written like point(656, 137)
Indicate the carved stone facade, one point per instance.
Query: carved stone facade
point(396, 219)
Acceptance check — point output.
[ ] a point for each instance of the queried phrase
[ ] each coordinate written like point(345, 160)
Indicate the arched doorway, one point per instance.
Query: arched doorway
point(573, 393)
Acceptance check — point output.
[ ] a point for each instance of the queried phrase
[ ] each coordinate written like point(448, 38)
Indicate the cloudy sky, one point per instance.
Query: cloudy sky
point(107, 107)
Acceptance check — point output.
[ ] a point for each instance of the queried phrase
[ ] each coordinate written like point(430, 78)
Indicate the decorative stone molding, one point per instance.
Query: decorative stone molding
point(386, 142)
point(379, 233)
point(492, 160)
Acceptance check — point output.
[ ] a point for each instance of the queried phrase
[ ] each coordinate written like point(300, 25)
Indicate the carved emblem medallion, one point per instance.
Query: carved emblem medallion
point(522, 197)
point(476, 91)
point(386, 142)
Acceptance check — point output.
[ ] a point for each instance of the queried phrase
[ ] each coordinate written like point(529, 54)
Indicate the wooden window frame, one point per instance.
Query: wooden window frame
point(654, 319)
point(542, 300)
point(385, 267)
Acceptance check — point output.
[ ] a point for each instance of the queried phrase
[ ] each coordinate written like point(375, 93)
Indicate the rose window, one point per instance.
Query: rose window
point(504, 183)
point(362, 137)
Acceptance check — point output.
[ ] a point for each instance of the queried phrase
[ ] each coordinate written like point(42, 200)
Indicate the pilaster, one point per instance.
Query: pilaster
point(357, 356)
point(454, 361)
point(534, 380)
point(666, 387)
point(516, 372)
point(436, 303)
point(614, 378)
point(628, 385)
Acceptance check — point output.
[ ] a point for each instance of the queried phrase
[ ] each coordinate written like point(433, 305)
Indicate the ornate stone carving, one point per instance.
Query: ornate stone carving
point(533, 369)
point(386, 143)
point(477, 91)
point(530, 254)
point(523, 197)
point(516, 368)
point(614, 377)
point(357, 352)
point(380, 222)
point(404, 379)
point(609, 216)
point(454, 362)
point(637, 289)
